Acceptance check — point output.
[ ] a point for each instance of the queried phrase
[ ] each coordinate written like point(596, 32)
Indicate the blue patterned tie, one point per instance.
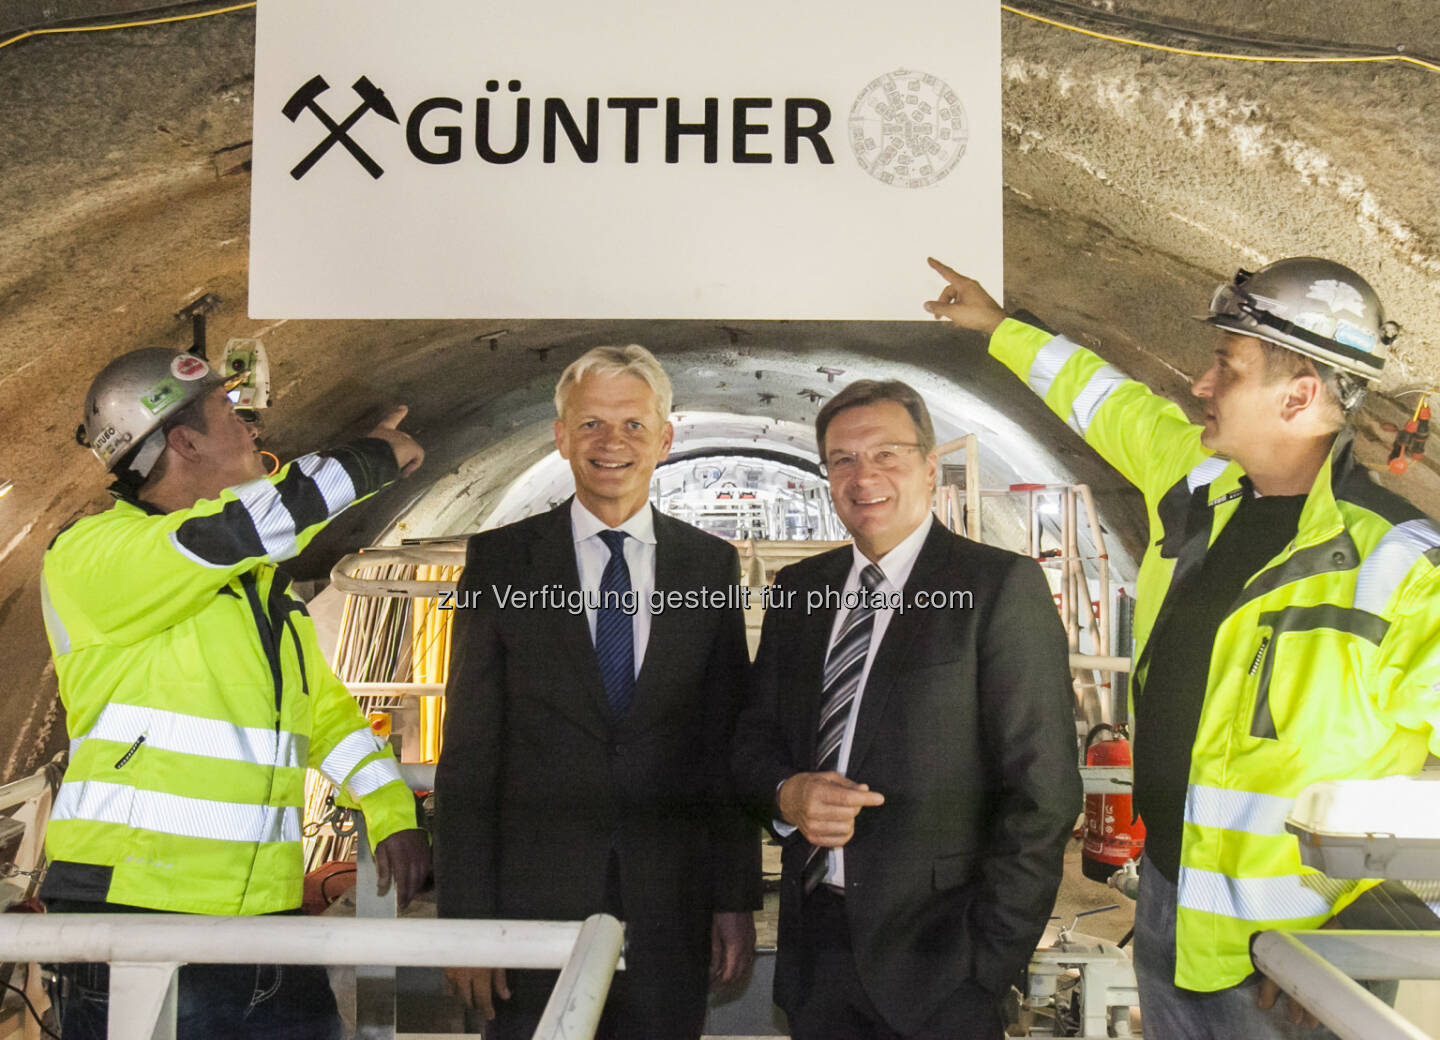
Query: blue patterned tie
point(614, 637)
point(844, 665)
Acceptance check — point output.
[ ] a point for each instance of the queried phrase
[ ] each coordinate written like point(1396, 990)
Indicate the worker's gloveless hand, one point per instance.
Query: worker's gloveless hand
point(404, 857)
point(1297, 1012)
point(408, 454)
point(478, 988)
point(964, 302)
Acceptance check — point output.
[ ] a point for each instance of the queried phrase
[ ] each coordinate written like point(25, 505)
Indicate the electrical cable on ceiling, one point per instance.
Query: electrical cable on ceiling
point(1284, 59)
point(166, 20)
point(1055, 23)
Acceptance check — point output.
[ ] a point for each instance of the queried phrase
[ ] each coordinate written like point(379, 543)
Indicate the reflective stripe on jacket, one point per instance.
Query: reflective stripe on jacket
point(196, 695)
point(1327, 666)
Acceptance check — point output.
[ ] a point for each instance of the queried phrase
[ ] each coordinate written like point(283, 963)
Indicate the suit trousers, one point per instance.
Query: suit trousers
point(835, 1005)
point(649, 1000)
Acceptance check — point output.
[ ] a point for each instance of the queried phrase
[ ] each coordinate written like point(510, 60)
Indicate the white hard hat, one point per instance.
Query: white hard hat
point(133, 396)
point(1312, 306)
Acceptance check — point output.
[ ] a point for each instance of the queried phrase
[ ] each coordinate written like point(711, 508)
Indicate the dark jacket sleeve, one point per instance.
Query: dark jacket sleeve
point(735, 837)
point(760, 761)
point(1027, 709)
point(467, 777)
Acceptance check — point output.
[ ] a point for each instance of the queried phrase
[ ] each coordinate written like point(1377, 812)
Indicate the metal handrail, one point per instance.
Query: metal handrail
point(1319, 969)
point(1100, 662)
point(146, 950)
point(448, 553)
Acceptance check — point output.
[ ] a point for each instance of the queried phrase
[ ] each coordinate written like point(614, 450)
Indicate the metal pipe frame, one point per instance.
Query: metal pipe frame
point(1319, 969)
point(145, 950)
point(20, 791)
point(345, 574)
point(972, 487)
point(1097, 661)
point(1107, 779)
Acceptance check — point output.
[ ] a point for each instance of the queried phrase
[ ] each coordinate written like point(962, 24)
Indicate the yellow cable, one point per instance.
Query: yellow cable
point(124, 25)
point(1215, 54)
point(1405, 58)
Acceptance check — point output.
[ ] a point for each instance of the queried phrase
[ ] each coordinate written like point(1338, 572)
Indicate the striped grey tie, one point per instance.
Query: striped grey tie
point(843, 666)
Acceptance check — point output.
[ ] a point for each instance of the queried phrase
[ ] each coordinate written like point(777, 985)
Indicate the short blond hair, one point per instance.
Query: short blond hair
point(632, 360)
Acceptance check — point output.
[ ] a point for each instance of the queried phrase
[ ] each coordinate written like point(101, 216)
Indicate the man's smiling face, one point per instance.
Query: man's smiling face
point(883, 500)
point(613, 436)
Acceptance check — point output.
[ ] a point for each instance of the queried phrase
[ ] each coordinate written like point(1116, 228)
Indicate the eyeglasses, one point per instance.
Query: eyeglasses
point(882, 456)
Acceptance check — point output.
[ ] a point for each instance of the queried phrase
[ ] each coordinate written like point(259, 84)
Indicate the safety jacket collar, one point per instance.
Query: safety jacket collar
point(1320, 518)
point(122, 492)
point(1201, 503)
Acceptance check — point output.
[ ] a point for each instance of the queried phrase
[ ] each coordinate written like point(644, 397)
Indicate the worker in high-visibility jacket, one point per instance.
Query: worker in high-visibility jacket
point(196, 694)
point(1287, 624)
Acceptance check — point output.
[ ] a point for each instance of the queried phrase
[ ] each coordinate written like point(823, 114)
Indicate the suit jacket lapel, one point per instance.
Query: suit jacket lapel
point(554, 559)
point(814, 645)
point(895, 647)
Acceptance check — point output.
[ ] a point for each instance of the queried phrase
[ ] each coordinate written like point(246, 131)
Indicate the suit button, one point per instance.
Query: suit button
point(617, 750)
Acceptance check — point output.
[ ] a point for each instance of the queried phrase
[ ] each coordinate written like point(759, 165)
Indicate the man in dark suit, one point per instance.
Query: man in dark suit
point(910, 731)
point(588, 725)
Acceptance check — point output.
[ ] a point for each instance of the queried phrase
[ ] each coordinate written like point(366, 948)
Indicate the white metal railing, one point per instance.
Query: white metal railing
point(146, 950)
point(1319, 969)
point(447, 552)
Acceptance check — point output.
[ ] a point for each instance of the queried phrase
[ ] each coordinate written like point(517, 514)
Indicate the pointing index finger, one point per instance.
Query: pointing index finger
point(948, 273)
point(839, 794)
point(392, 421)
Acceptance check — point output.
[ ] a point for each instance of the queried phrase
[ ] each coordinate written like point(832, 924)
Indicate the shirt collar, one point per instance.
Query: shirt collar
point(899, 561)
point(585, 524)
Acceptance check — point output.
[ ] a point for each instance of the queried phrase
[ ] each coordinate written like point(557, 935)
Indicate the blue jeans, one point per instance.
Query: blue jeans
point(215, 1002)
point(1168, 1012)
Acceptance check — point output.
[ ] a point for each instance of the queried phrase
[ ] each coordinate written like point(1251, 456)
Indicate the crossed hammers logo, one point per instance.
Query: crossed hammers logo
point(372, 98)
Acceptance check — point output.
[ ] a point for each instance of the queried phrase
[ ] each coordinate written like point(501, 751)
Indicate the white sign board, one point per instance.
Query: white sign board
point(568, 159)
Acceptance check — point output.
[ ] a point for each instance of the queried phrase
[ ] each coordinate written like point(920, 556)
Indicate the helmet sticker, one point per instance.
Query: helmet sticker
point(189, 367)
point(1269, 305)
point(108, 441)
point(1314, 321)
point(1354, 336)
point(163, 394)
point(1338, 296)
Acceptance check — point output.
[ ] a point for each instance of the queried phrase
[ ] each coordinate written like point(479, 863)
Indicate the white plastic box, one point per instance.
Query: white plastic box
point(1387, 828)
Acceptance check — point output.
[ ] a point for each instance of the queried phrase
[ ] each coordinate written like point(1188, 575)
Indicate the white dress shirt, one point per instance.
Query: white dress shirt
point(896, 565)
point(591, 556)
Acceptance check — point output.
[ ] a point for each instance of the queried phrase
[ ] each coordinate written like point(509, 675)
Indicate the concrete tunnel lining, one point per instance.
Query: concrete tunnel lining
point(500, 483)
point(126, 196)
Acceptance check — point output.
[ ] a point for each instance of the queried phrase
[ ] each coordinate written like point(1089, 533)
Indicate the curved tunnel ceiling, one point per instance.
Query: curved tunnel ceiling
point(1134, 181)
point(726, 402)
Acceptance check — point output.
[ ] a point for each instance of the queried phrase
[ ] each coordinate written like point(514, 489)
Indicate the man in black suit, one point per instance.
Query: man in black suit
point(910, 731)
point(588, 725)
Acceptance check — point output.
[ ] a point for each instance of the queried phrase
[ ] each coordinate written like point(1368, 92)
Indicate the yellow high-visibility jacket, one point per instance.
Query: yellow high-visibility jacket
point(1327, 666)
point(196, 695)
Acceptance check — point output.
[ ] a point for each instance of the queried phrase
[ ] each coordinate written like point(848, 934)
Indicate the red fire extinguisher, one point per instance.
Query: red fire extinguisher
point(1111, 835)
